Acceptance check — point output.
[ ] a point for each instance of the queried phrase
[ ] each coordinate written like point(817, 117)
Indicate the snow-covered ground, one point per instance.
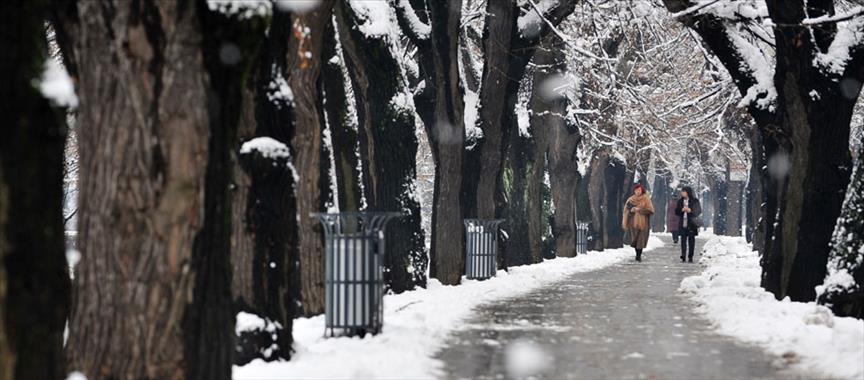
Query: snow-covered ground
point(416, 324)
point(806, 335)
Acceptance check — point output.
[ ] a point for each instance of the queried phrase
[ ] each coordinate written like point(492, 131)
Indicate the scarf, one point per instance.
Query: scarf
point(686, 204)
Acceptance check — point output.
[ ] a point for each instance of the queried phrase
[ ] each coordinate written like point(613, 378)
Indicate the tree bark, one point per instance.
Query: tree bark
point(242, 238)
point(209, 320)
point(388, 146)
point(269, 216)
point(660, 197)
point(719, 192)
point(34, 276)
point(597, 199)
point(845, 259)
point(516, 249)
point(304, 66)
point(617, 179)
point(565, 181)
point(153, 297)
point(343, 133)
point(552, 139)
point(441, 109)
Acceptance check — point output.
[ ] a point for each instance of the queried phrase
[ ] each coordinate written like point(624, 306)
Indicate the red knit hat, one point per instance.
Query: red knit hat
point(639, 186)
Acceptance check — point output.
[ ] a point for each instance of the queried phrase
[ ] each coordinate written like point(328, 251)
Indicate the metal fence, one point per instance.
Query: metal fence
point(354, 274)
point(481, 248)
point(581, 238)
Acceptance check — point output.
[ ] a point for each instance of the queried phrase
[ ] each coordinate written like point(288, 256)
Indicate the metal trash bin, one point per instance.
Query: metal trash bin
point(354, 274)
point(481, 248)
point(581, 238)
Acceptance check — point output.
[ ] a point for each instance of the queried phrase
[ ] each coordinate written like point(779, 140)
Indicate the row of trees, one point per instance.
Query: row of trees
point(798, 67)
point(209, 130)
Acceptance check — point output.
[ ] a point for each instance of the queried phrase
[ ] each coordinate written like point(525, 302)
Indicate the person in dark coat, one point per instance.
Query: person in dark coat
point(672, 220)
point(688, 209)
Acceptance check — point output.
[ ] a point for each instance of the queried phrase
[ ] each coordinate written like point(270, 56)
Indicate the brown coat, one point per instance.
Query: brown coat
point(637, 223)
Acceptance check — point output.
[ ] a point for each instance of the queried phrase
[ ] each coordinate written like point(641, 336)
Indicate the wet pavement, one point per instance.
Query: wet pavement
point(627, 321)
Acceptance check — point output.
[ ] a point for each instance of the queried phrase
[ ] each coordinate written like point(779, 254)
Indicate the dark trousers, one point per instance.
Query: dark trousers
point(688, 243)
point(675, 235)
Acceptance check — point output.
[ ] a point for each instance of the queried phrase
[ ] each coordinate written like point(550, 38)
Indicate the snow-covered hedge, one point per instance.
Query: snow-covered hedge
point(807, 335)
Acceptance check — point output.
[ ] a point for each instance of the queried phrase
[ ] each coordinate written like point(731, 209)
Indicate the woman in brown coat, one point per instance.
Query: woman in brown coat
point(637, 213)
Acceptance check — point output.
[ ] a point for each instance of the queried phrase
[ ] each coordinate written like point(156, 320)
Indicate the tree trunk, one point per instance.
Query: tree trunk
point(441, 109)
point(153, 297)
point(343, 134)
point(734, 199)
point(209, 321)
point(847, 248)
point(270, 209)
point(516, 249)
point(811, 195)
point(552, 139)
point(660, 197)
point(34, 276)
point(242, 248)
point(616, 179)
point(598, 200)
point(304, 66)
point(719, 193)
point(388, 147)
point(499, 90)
point(565, 182)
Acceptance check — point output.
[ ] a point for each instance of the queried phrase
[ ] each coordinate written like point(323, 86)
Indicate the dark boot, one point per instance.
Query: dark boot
point(639, 255)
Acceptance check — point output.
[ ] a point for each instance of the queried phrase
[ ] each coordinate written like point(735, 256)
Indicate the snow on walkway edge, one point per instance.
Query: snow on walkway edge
point(416, 325)
point(807, 335)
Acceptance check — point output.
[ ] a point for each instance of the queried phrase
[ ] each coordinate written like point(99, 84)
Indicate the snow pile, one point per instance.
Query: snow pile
point(56, 85)
point(807, 335)
point(379, 19)
point(251, 322)
point(297, 6)
point(416, 324)
point(267, 146)
point(244, 9)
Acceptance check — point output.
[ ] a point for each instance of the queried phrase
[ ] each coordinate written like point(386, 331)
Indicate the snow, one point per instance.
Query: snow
point(379, 19)
point(849, 35)
point(249, 322)
point(416, 324)
point(531, 22)
point(244, 9)
point(252, 322)
point(808, 335)
point(420, 29)
point(56, 85)
point(297, 6)
point(758, 65)
point(473, 133)
point(75, 375)
point(73, 256)
point(278, 90)
point(267, 146)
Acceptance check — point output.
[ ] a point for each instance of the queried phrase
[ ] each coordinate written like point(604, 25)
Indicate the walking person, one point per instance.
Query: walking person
point(672, 220)
point(688, 209)
point(635, 220)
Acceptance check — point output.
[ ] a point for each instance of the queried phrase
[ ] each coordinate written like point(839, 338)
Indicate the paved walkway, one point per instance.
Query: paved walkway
point(627, 321)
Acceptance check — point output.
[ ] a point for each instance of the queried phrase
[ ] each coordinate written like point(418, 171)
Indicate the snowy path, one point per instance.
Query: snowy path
point(627, 321)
